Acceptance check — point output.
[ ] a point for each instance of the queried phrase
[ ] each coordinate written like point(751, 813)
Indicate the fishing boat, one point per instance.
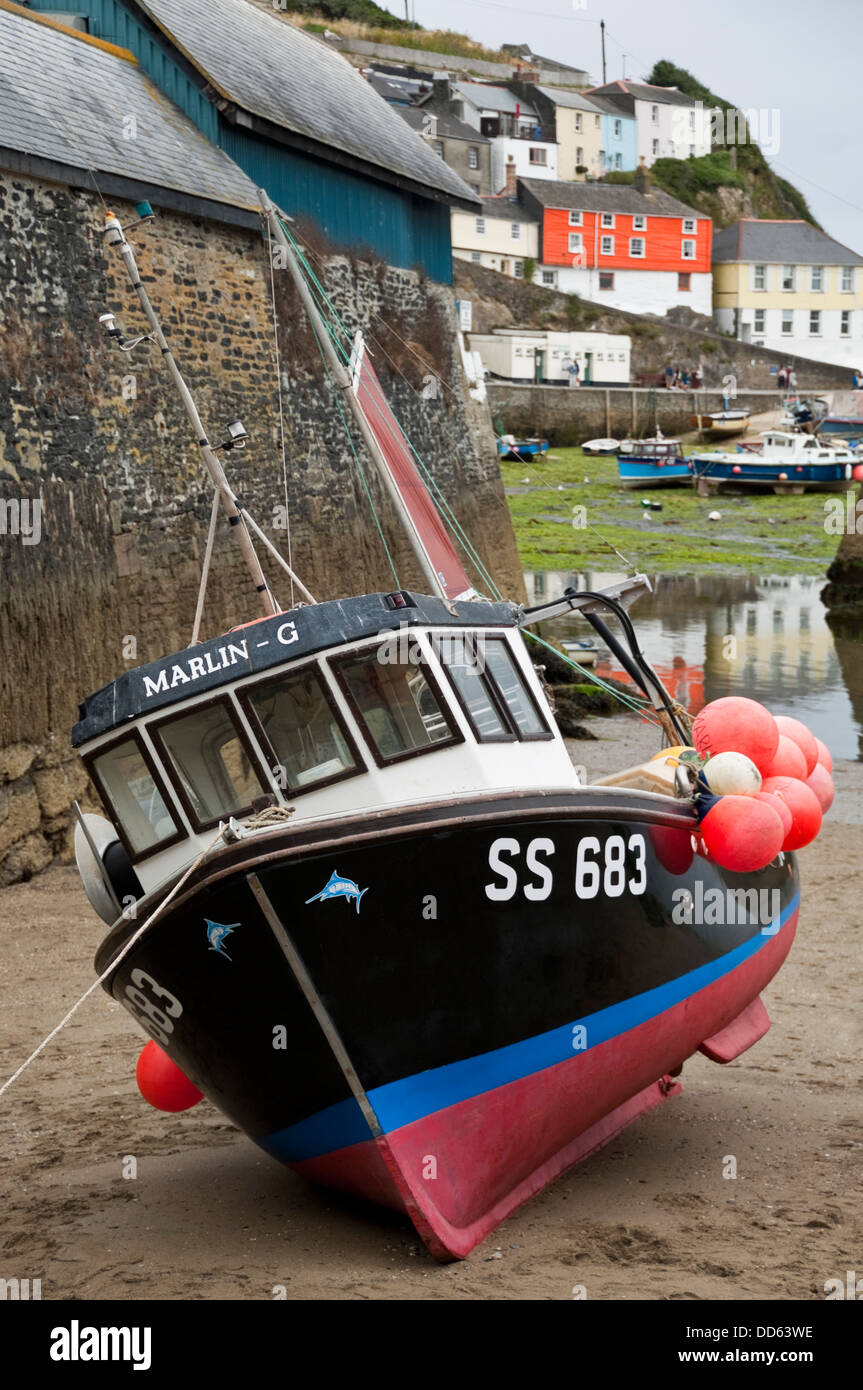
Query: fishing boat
point(722, 422)
point(508, 447)
point(785, 462)
point(656, 462)
point(356, 892)
point(582, 652)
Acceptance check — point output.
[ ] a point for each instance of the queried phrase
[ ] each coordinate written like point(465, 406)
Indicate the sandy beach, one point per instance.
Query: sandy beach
point(649, 1217)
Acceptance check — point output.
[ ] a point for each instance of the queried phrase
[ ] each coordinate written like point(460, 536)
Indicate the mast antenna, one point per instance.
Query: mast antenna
point(116, 236)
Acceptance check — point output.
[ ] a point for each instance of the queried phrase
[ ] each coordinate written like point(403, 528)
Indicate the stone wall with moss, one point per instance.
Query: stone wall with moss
point(99, 440)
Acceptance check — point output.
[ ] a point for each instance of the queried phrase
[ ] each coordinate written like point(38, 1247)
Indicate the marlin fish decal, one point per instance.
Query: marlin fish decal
point(216, 934)
point(339, 887)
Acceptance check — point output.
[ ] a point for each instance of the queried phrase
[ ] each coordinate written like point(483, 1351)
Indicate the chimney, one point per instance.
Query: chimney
point(440, 86)
point(642, 179)
point(509, 190)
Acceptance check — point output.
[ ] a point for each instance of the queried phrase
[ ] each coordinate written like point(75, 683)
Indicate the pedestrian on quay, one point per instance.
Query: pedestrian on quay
point(669, 377)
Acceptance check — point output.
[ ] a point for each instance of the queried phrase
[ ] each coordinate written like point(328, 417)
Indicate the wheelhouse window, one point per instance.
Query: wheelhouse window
point(210, 763)
point(491, 688)
point(134, 798)
point(397, 705)
point(300, 729)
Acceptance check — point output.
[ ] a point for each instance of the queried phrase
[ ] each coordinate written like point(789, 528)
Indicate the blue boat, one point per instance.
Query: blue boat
point(652, 463)
point(784, 462)
point(844, 419)
point(508, 447)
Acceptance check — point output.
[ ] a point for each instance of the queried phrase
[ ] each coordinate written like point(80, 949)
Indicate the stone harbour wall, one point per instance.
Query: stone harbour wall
point(94, 445)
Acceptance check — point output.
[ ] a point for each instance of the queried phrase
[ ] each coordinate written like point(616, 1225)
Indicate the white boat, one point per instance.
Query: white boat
point(784, 461)
point(601, 446)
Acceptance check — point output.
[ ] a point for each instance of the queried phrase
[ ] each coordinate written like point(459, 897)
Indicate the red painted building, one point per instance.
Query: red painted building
point(627, 246)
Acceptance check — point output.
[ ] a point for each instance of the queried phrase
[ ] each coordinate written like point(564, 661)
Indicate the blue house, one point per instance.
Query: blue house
point(618, 135)
point(295, 116)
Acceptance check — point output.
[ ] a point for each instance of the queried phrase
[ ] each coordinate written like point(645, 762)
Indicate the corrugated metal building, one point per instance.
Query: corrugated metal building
point(295, 116)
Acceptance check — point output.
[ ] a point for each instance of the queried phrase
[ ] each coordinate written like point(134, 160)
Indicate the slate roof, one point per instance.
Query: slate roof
point(642, 91)
point(606, 197)
point(786, 243)
point(507, 209)
point(271, 69)
point(65, 98)
point(575, 100)
point(443, 126)
point(493, 98)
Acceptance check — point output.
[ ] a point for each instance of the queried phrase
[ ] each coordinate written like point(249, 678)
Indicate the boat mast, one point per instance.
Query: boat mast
point(116, 237)
point(342, 378)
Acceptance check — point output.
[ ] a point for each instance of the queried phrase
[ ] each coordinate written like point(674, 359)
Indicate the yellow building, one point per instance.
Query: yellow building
point(579, 131)
point(501, 235)
point(789, 287)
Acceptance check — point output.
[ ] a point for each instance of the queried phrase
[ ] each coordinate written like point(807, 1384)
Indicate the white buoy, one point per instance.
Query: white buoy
point(714, 516)
point(732, 774)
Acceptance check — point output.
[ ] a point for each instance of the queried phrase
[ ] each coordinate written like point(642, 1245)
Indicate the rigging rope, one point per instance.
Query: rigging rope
point(281, 409)
point(638, 706)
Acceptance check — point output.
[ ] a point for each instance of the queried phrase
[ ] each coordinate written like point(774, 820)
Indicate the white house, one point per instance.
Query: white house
point(501, 235)
point(513, 126)
point(669, 124)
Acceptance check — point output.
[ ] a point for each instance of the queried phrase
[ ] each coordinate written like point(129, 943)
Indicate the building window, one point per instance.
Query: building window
point(596, 123)
point(788, 277)
point(847, 279)
point(618, 129)
point(476, 255)
point(515, 230)
point(759, 324)
point(607, 219)
point(816, 283)
point(687, 249)
point(575, 219)
point(549, 277)
point(814, 323)
point(579, 155)
point(606, 246)
point(636, 246)
point(689, 226)
point(787, 322)
point(536, 156)
point(606, 279)
point(578, 120)
point(602, 156)
point(684, 280)
point(654, 114)
point(474, 188)
point(618, 161)
point(760, 277)
point(519, 270)
point(473, 157)
point(639, 223)
point(575, 241)
point(654, 147)
point(480, 226)
point(845, 324)
point(438, 148)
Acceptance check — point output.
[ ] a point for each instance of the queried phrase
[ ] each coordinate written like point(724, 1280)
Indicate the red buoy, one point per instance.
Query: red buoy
point(787, 761)
point(672, 847)
point(821, 783)
point(824, 756)
point(804, 807)
point(161, 1082)
point(742, 833)
point(736, 725)
point(857, 472)
point(799, 734)
point(779, 806)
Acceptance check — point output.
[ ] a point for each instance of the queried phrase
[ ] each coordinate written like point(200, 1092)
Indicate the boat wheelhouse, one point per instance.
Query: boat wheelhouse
point(330, 709)
point(784, 461)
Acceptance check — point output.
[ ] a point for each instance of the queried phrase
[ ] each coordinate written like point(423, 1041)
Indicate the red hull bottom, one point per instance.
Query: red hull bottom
point(459, 1172)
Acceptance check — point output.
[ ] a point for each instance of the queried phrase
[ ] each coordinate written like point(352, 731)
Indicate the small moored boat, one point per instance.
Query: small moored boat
point(508, 447)
point(785, 462)
point(656, 462)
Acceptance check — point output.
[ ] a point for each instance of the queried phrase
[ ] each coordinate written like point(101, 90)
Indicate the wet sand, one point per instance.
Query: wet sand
point(649, 1217)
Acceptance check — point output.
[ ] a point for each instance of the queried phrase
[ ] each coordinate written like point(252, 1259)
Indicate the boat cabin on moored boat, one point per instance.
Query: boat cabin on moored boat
point(328, 709)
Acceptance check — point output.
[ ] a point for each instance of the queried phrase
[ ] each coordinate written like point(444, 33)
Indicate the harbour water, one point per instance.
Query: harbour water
point(759, 635)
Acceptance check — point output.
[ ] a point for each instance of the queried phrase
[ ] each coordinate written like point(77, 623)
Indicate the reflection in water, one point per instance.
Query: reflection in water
point(761, 636)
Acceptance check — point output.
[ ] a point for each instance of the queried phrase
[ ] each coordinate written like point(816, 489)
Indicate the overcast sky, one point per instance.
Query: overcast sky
point(796, 58)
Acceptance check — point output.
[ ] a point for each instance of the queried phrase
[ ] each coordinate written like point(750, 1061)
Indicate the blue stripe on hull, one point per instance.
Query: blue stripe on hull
point(413, 1097)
